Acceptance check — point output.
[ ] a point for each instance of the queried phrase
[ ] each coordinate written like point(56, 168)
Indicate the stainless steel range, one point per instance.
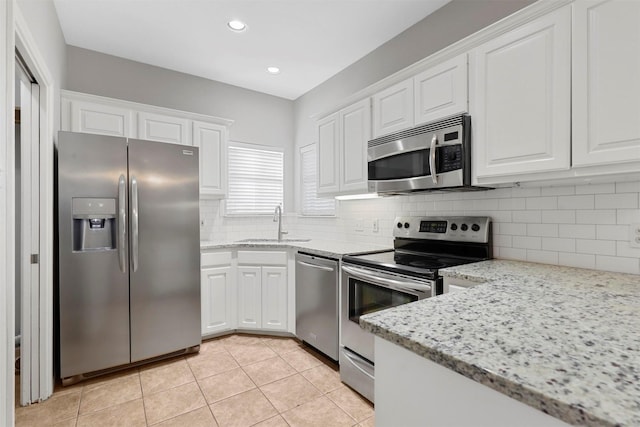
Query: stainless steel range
point(375, 281)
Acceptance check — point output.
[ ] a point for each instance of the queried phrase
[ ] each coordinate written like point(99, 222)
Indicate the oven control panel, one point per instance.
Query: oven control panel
point(453, 228)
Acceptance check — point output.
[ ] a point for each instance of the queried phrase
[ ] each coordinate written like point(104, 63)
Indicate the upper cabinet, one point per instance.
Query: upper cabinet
point(521, 105)
point(342, 150)
point(163, 128)
point(328, 155)
point(210, 139)
point(606, 82)
point(393, 109)
point(441, 91)
point(106, 116)
point(89, 117)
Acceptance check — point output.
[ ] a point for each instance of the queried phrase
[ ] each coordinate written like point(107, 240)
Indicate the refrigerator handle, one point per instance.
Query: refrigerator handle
point(122, 223)
point(134, 223)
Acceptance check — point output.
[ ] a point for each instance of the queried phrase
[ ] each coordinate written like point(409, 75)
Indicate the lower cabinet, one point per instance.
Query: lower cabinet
point(218, 293)
point(262, 290)
point(245, 290)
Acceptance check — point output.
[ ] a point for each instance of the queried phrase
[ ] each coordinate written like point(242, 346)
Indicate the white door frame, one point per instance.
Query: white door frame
point(7, 219)
point(41, 324)
point(14, 34)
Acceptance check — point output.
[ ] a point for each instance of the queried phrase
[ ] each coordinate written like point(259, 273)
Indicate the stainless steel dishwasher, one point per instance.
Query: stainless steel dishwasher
point(317, 302)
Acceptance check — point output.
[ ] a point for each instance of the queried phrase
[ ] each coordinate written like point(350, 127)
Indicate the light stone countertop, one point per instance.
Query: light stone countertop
point(327, 248)
point(562, 340)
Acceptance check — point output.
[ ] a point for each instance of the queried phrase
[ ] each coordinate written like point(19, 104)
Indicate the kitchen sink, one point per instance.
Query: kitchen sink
point(272, 240)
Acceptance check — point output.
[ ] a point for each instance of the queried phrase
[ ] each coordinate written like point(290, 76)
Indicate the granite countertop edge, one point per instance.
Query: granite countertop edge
point(486, 278)
point(330, 249)
point(533, 398)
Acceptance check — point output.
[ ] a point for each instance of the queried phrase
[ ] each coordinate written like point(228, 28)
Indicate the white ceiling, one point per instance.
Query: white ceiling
point(310, 40)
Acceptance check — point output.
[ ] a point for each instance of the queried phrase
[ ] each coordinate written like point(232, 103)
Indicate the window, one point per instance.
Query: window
point(256, 180)
point(312, 205)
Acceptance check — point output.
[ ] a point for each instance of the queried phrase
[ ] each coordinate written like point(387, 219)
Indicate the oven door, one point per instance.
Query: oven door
point(366, 290)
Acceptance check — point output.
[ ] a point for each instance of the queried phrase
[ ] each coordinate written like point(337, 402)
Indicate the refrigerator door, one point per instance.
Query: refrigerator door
point(93, 273)
point(164, 248)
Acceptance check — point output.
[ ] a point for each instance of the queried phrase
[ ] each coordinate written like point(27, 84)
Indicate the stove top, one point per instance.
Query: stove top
point(424, 245)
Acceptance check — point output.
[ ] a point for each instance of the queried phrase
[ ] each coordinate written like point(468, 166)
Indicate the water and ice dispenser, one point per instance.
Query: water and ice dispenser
point(94, 224)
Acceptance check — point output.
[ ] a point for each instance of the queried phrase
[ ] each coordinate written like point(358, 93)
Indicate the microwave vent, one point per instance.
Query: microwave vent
point(429, 127)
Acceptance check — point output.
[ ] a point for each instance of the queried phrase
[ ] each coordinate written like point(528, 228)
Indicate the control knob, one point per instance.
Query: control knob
point(475, 227)
point(406, 225)
point(454, 226)
point(399, 225)
point(464, 227)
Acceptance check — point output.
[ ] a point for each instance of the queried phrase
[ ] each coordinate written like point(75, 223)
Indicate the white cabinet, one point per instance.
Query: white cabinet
point(606, 82)
point(101, 119)
point(274, 298)
point(211, 141)
point(328, 155)
point(393, 109)
point(217, 293)
point(157, 127)
point(106, 116)
point(441, 91)
point(342, 150)
point(521, 99)
point(249, 297)
point(262, 290)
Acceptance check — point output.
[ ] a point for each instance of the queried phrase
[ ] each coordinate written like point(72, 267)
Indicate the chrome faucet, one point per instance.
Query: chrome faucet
point(277, 216)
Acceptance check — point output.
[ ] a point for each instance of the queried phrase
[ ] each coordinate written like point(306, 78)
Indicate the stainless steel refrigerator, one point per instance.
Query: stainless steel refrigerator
point(129, 251)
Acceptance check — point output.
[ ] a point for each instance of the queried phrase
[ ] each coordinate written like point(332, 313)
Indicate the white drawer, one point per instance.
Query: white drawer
point(215, 258)
point(262, 257)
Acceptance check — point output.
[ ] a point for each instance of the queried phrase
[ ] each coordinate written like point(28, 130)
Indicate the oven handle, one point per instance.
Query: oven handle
point(404, 285)
point(432, 159)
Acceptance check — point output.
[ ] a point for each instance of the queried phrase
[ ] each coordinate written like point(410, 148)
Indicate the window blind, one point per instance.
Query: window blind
point(312, 205)
point(255, 180)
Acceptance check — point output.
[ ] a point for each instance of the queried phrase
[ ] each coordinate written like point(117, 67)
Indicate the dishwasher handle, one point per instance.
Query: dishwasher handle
point(320, 267)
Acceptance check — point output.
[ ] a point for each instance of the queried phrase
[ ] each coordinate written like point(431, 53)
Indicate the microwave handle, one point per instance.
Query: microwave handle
point(432, 159)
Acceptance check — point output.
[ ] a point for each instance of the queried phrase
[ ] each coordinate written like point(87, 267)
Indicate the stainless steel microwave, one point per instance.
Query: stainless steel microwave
point(434, 156)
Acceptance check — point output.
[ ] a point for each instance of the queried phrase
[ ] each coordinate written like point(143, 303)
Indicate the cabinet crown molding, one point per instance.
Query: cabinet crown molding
point(137, 106)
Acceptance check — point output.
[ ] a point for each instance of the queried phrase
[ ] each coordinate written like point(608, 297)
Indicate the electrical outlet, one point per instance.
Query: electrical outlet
point(360, 225)
point(375, 227)
point(634, 235)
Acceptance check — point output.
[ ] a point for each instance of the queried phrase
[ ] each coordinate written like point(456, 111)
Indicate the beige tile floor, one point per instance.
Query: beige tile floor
point(237, 380)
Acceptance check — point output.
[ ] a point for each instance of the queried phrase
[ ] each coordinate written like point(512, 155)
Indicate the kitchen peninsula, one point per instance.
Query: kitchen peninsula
point(558, 339)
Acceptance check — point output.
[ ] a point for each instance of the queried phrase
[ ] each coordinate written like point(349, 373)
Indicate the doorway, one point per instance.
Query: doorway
point(27, 242)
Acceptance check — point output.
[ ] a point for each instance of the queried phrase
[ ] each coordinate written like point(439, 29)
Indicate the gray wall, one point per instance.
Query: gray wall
point(449, 24)
point(259, 118)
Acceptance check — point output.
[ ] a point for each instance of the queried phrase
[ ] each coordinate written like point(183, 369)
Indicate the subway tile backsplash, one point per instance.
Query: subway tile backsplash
point(583, 225)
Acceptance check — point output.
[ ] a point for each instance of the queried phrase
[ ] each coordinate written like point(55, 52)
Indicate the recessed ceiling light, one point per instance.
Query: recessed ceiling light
point(273, 70)
point(236, 25)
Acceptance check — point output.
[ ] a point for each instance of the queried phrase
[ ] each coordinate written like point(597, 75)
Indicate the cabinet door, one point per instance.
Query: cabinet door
point(355, 133)
point(606, 82)
point(328, 155)
point(211, 140)
point(393, 109)
point(441, 91)
point(274, 298)
point(249, 297)
point(100, 119)
point(218, 312)
point(157, 127)
point(521, 99)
